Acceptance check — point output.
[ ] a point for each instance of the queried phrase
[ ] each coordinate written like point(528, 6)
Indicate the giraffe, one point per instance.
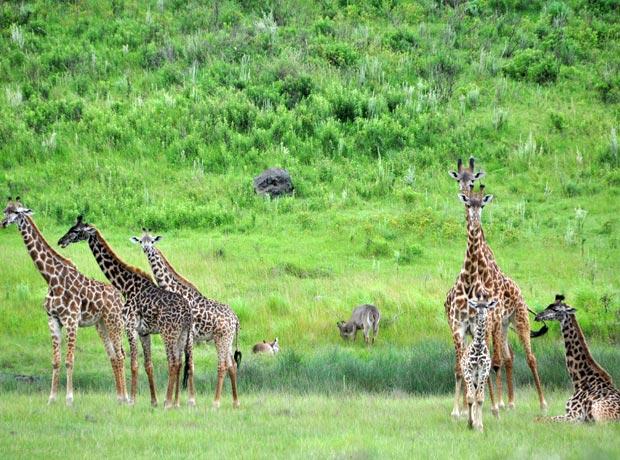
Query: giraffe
point(149, 309)
point(72, 301)
point(474, 277)
point(213, 320)
point(513, 310)
point(595, 399)
point(476, 361)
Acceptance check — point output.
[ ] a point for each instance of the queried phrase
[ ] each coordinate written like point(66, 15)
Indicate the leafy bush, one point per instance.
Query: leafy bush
point(339, 54)
point(533, 65)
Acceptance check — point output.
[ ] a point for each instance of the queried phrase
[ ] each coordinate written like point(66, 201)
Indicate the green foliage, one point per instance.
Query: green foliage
point(532, 65)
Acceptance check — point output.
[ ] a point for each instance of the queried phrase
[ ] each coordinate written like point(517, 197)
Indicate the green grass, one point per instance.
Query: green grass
point(281, 425)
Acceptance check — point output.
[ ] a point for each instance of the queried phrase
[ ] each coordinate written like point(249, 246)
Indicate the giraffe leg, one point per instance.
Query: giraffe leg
point(148, 366)
point(111, 352)
point(55, 330)
point(221, 370)
point(170, 344)
point(494, 408)
point(496, 364)
point(469, 392)
point(132, 337)
point(458, 375)
point(479, 400)
point(523, 330)
point(71, 339)
point(508, 365)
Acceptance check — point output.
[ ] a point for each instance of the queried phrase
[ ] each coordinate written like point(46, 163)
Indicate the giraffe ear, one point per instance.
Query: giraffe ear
point(134, 239)
point(453, 175)
point(157, 238)
point(80, 219)
point(487, 199)
point(479, 175)
point(491, 305)
point(472, 303)
point(571, 310)
point(463, 198)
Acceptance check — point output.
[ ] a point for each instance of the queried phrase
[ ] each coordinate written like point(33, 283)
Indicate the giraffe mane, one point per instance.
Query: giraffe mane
point(47, 245)
point(179, 277)
point(122, 263)
point(582, 341)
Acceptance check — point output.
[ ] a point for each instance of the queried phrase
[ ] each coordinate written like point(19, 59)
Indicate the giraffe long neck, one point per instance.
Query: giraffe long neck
point(123, 277)
point(48, 261)
point(166, 275)
point(474, 257)
point(480, 336)
point(579, 362)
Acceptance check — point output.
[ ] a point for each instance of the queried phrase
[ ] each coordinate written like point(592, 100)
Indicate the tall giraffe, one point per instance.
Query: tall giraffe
point(72, 301)
point(511, 309)
point(212, 320)
point(150, 310)
point(595, 398)
point(474, 277)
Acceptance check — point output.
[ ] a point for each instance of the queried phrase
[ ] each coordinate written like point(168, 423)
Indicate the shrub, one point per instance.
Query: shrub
point(296, 88)
point(339, 54)
point(533, 65)
point(402, 40)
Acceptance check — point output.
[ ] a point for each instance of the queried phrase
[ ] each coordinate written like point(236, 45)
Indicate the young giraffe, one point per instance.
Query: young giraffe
point(476, 362)
point(72, 301)
point(473, 278)
point(511, 308)
point(595, 399)
point(150, 310)
point(212, 320)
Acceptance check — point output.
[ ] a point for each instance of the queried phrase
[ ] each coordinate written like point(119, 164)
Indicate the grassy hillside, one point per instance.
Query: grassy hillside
point(161, 113)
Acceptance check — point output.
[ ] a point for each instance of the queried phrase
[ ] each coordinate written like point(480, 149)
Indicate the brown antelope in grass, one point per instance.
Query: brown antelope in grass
point(269, 348)
point(365, 317)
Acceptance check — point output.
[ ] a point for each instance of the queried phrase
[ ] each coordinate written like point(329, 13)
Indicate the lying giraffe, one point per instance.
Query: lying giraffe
point(212, 320)
point(476, 362)
point(149, 309)
point(595, 399)
point(72, 301)
point(511, 309)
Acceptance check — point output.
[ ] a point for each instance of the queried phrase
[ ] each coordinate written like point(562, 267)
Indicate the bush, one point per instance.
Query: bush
point(402, 40)
point(339, 54)
point(533, 65)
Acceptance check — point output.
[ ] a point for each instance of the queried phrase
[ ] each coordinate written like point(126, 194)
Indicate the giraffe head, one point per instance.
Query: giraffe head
point(147, 241)
point(482, 304)
point(474, 202)
point(558, 310)
point(81, 231)
point(14, 211)
point(466, 176)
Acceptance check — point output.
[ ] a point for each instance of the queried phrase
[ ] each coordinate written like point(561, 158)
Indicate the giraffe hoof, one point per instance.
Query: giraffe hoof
point(236, 404)
point(167, 405)
point(69, 401)
point(501, 405)
point(455, 414)
point(543, 407)
point(51, 400)
point(511, 406)
point(191, 403)
point(215, 405)
point(495, 412)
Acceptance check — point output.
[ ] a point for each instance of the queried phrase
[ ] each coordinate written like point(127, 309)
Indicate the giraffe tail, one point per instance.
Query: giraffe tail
point(186, 367)
point(237, 355)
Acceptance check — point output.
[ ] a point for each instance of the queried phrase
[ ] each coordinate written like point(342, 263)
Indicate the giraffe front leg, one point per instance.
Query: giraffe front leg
point(221, 371)
point(56, 332)
point(148, 366)
point(458, 376)
point(479, 401)
point(523, 330)
point(71, 339)
point(189, 364)
point(132, 337)
point(111, 352)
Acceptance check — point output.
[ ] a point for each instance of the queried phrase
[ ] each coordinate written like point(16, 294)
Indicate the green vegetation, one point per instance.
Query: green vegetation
point(160, 113)
point(279, 425)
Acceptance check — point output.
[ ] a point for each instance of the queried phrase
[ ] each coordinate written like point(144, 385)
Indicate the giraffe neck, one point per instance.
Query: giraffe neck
point(48, 261)
point(579, 362)
point(127, 279)
point(474, 258)
point(480, 336)
point(166, 276)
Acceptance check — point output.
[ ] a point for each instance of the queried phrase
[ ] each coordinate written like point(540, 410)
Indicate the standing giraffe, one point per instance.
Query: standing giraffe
point(212, 320)
point(511, 309)
point(72, 301)
point(595, 399)
point(476, 362)
point(474, 277)
point(150, 310)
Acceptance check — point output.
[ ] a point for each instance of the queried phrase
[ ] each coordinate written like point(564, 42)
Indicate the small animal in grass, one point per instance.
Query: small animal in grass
point(365, 317)
point(269, 348)
point(476, 362)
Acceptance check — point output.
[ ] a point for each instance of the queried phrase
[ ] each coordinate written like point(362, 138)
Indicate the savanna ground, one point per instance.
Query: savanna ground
point(160, 113)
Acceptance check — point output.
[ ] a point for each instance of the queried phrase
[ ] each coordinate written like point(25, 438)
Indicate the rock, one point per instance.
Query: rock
point(273, 182)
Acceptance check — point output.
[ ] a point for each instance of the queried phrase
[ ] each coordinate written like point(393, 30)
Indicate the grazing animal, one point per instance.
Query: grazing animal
point(365, 317)
point(212, 320)
point(149, 309)
point(73, 300)
point(270, 348)
point(476, 362)
point(595, 398)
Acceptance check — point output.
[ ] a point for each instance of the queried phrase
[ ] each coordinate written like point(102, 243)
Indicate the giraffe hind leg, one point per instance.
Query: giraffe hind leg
point(55, 331)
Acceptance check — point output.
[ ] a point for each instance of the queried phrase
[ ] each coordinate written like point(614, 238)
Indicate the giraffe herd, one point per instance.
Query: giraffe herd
point(483, 303)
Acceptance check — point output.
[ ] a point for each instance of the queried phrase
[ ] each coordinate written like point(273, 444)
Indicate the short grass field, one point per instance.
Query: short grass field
point(283, 425)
